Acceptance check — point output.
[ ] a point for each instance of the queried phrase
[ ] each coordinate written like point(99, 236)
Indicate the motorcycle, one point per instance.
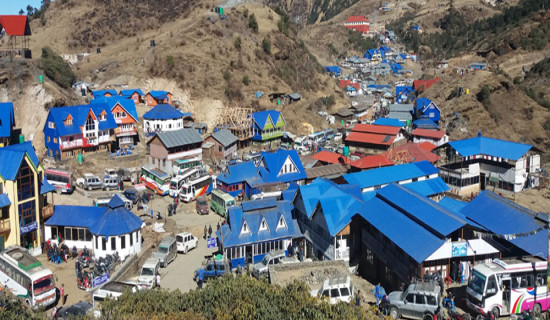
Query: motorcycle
point(449, 303)
point(454, 315)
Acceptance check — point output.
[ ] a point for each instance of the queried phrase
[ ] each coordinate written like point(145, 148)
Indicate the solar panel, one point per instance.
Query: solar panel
point(386, 139)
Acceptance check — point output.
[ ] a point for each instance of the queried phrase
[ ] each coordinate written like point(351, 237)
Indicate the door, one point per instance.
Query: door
point(482, 181)
point(408, 308)
point(419, 306)
point(506, 285)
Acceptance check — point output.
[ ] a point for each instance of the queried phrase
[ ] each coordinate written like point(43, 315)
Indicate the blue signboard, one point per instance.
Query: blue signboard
point(459, 249)
point(29, 227)
point(100, 280)
point(211, 242)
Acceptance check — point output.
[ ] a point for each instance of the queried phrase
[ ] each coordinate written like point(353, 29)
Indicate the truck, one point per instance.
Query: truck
point(261, 269)
point(213, 269)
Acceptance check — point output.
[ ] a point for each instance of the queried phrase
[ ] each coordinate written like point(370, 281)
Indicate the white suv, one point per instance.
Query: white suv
point(336, 290)
point(186, 241)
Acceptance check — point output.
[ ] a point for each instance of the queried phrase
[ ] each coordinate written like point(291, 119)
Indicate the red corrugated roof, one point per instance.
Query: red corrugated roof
point(356, 85)
point(410, 152)
point(344, 83)
point(436, 134)
point(370, 162)
point(428, 146)
point(357, 19)
point(424, 83)
point(370, 138)
point(331, 157)
point(370, 128)
point(15, 25)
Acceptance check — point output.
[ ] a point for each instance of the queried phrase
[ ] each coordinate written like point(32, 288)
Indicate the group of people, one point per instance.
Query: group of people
point(208, 231)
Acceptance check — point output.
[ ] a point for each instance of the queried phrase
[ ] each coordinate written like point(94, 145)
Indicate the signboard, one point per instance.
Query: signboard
point(459, 249)
point(100, 280)
point(211, 242)
point(29, 227)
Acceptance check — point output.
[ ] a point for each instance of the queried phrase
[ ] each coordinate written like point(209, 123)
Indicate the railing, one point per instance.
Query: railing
point(125, 130)
point(273, 134)
point(47, 211)
point(72, 144)
point(5, 225)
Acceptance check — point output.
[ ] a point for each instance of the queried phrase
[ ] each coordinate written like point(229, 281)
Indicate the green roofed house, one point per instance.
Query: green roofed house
point(268, 125)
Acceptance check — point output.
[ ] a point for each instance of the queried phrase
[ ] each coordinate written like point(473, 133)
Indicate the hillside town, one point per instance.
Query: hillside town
point(378, 205)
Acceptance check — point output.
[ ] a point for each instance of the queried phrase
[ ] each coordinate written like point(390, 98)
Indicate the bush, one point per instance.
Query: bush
point(238, 43)
point(226, 75)
point(284, 22)
point(233, 93)
point(56, 68)
point(266, 45)
point(246, 81)
point(484, 96)
point(252, 23)
point(170, 61)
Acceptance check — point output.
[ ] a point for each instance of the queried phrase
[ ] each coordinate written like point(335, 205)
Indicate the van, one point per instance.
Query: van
point(111, 183)
point(186, 241)
point(336, 290)
point(201, 205)
point(166, 251)
point(147, 276)
point(101, 202)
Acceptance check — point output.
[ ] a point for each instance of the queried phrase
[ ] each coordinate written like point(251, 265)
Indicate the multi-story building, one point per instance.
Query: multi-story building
point(7, 122)
point(126, 117)
point(268, 125)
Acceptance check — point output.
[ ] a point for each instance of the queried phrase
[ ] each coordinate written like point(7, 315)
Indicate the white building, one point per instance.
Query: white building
point(163, 117)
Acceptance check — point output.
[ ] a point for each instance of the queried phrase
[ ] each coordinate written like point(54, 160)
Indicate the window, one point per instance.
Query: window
point(51, 124)
point(104, 243)
point(113, 243)
point(69, 122)
point(219, 148)
point(431, 300)
point(90, 124)
point(263, 225)
point(334, 293)
point(123, 242)
point(54, 140)
point(344, 292)
point(48, 138)
point(282, 223)
point(27, 212)
point(410, 298)
point(102, 116)
point(420, 299)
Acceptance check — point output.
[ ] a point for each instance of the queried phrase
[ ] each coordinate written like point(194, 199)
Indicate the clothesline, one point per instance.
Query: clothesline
point(509, 236)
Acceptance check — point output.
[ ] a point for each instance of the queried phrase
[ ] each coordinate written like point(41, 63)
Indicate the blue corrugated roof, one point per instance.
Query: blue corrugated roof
point(338, 210)
point(261, 117)
point(412, 238)
point(239, 172)
point(232, 235)
point(490, 147)
point(163, 112)
point(101, 93)
point(334, 69)
point(7, 120)
point(75, 216)
point(159, 94)
point(127, 104)
point(403, 90)
point(455, 206)
point(421, 209)
point(392, 122)
point(79, 115)
point(428, 187)
point(273, 162)
point(259, 204)
point(26, 147)
point(424, 123)
point(45, 186)
point(10, 161)
point(127, 93)
point(375, 177)
point(4, 200)
point(116, 220)
point(502, 216)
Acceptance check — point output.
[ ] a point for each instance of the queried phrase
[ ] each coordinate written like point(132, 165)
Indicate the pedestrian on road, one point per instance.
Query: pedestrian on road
point(62, 292)
point(77, 267)
point(158, 280)
point(218, 226)
point(377, 295)
point(210, 231)
point(230, 266)
point(205, 230)
point(200, 278)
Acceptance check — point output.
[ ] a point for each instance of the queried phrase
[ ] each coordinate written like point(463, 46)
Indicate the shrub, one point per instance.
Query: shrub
point(246, 81)
point(266, 45)
point(238, 43)
point(484, 96)
point(56, 68)
point(226, 75)
point(252, 23)
point(170, 61)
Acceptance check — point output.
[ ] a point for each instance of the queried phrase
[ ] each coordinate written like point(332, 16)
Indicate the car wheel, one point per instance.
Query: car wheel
point(394, 313)
point(185, 250)
point(428, 316)
point(496, 312)
point(89, 188)
point(537, 310)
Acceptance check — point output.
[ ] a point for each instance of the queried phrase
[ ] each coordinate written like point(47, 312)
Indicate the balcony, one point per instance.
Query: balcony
point(69, 145)
point(5, 225)
point(47, 211)
point(125, 131)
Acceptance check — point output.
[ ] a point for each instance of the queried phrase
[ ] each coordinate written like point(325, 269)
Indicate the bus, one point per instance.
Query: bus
point(181, 164)
point(156, 180)
point(60, 179)
point(183, 177)
point(317, 137)
point(197, 187)
point(507, 287)
point(329, 134)
point(221, 201)
point(26, 277)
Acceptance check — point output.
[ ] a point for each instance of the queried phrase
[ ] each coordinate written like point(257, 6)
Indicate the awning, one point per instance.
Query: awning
point(4, 200)
point(46, 187)
point(474, 247)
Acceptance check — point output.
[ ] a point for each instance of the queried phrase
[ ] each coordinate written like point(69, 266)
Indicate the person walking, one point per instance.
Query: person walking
point(205, 231)
point(230, 266)
point(200, 278)
point(377, 294)
point(358, 298)
point(62, 293)
point(210, 231)
point(158, 280)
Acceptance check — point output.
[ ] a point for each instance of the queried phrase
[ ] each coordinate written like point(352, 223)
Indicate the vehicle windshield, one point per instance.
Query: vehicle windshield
point(184, 190)
point(477, 282)
point(202, 202)
point(179, 239)
point(43, 284)
point(147, 272)
point(162, 250)
point(298, 143)
point(231, 203)
point(265, 260)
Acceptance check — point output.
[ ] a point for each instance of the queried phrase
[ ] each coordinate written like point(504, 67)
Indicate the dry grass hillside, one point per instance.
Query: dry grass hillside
point(196, 56)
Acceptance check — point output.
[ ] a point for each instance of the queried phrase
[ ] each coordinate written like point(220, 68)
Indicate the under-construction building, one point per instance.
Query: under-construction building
point(239, 121)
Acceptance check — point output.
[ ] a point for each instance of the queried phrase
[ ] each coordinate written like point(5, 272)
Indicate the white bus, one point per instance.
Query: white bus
point(26, 277)
point(194, 188)
point(60, 179)
point(156, 180)
point(317, 137)
point(181, 165)
point(177, 182)
point(508, 286)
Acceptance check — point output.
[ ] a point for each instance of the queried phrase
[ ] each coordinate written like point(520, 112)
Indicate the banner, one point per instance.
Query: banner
point(459, 249)
point(100, 280)
point(211, 242)
point(29, 227)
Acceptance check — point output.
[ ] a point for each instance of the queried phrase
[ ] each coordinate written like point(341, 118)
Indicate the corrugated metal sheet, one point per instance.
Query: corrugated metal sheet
point(239, 173)
point(491, 147)
point(224, 137)
point(7, 120)
point(4, 200)
point(10, 161)
point(273, 162)
point(15, 25)
point(428, 187)
point(180, 137)
point(330, 171)
point(164, 112)
point(392, 122)
point(65, 216)
point(375, 177)
point(116, 220)
point(45, 186)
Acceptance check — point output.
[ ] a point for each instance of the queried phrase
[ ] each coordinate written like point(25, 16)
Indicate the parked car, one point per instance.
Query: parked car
point(213, 269)
point(147, 276)
point(186, 241)
point(419, 301)
point(111, 183)
point(129, 204)
point(336, 290)
point(166, 251)
point(77, 310)
point(338, 136)
point(201, 205)
point(110, 173)
point(89, 181)
point(125, 174)
point(135, 195)
point(261, 268)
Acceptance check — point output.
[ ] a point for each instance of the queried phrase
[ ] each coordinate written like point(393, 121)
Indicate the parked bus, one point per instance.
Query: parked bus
point(60, 179)
point(329, 134)
point(156, 180)
point(177, 182)
point(26, 277)
point(508, 286)
point(197, 187)
point(220, 201)
point(317, 137)
point(181, 165)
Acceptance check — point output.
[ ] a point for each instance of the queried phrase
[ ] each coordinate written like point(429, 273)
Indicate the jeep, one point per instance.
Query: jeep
point(419, 301)
point(89, 181)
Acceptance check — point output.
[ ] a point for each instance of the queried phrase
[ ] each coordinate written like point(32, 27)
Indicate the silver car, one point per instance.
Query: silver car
point(419, 301)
